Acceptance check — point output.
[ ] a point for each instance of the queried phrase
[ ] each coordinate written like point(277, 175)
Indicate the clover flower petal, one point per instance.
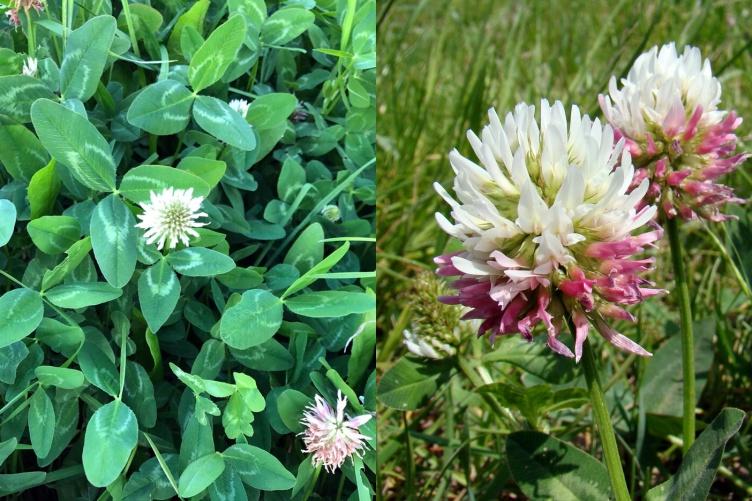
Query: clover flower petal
point(548, 225)
point(667, 109)
point(331, 436)
point(170, 216)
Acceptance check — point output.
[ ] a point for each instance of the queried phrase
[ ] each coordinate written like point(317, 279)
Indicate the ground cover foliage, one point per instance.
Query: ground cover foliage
point(513, 420)
point(127, 372)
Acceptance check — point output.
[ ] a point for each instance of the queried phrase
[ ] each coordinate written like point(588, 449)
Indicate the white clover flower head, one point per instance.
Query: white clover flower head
point(546, 223)
point(239, 105)
point(426, 346)
point(667, 111)
point(170, 216)
point(30, 67)
point(331, 436)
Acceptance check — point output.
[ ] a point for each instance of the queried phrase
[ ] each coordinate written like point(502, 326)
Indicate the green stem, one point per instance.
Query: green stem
point(606, 431)
point(687, 337)
point(312, 484)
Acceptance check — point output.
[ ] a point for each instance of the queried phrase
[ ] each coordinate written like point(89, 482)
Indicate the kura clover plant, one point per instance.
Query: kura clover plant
point(175, 291)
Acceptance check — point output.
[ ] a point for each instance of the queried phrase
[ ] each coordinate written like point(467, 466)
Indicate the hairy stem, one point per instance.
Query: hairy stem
point(687, 337)
point(603, 421)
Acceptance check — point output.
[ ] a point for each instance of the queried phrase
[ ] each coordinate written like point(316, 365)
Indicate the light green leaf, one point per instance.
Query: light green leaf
point(7, 220)
point(218, 119)
point(314, 273)
point(330, 303)
point(18, 93)
point(200, 262)
point(41, 422)
point(198, 475)
point(211, 171)
point(113, 238)
point(158, 293)
point(21, 311)
point(308, 248)
point(268, 114)
point(140, 181)
point(6, 449)
point(43, 190)
point(258, 468)
point(695, 476)
point(252, 321)
point(291, 404)
point(111, 435)
point(21, 152)
point(193, 17)
point(82, 294)
point(408, 384)
point(60, 377)
point(54, 234)
point(74, 142)
point(162, 108)
point(285, 25)
point(548, 468)
point(74, 256)
point(11, 483)
point(85, 57)
point(212, 59)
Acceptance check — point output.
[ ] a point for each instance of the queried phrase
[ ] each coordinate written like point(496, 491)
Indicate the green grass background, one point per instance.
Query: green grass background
point(442, 64)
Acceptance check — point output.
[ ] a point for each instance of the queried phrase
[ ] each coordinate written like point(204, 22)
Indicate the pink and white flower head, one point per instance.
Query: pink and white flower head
point(667, 110)
point(547, 223)
point(331, 436)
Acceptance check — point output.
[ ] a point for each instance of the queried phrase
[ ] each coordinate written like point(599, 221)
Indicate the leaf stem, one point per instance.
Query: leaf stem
point(603, 421)
point(687, 337)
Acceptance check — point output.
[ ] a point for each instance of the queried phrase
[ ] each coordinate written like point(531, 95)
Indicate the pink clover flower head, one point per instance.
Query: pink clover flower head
point(330, 435)
point(549, 227)
point(667, 111)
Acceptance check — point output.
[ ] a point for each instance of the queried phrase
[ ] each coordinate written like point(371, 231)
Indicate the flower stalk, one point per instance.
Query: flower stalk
point(603, 422)
point(687, 336)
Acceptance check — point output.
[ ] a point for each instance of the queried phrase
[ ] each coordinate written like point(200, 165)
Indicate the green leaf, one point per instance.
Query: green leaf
point(308, 248)
point(75, 254)
point(198, 475)
point(62, 338)
point(409, 384)
point(16, 482)
point(158, 294)
point(316, 270)
point(7, 220)
point(545, 467)
point(113, 238)
point(54, 234)
point(212, 59)
point(258, 468)
point(85, 57)
point(6, 449)
point(218, 119)
point(98, 368)
point(139, 182)
point(21, 153)
point(193, 17)
point(41, 422)
point(268, 356)
point(43, 190)
point(663, 375)
point(200, 262)
point(211, 171)
point(162, 108)
point(698, 469)
point(11, 357)
point(111, 435)
point(82, 294)
point(291, 404)
point(74, 142)
point(60, 377)
point(139, 394)
point(285, 25)
point(252, 321)
point(18, 93)
point(330, 303)
point(21, 311)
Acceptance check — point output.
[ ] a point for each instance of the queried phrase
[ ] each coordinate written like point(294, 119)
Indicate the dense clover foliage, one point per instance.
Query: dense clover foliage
point(186, 371)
